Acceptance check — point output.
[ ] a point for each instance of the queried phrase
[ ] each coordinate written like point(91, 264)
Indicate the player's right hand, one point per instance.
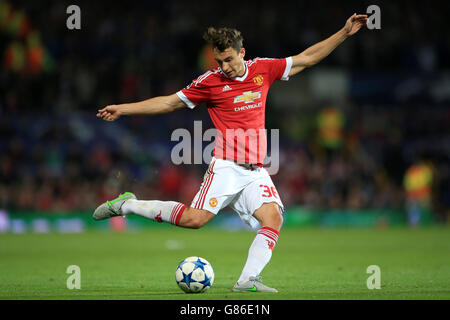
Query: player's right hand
point(109, 113)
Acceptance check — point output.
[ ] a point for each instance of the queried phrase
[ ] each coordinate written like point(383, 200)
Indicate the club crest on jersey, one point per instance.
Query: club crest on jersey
point(247, 97)
point(213, 202)
point(258, 79)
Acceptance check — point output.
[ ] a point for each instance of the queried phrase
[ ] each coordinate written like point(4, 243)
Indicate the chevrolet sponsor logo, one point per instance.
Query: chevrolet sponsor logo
point(247, 97)
point(248, 106)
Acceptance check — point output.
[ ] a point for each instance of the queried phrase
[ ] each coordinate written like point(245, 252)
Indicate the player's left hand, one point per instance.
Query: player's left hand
point(354, 23)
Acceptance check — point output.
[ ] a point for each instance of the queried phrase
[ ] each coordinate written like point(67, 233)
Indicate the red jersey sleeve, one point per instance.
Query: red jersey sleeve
point(195, 93)
point(278, 68)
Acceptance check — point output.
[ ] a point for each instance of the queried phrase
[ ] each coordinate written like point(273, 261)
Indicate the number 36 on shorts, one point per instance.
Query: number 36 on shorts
point(269, 192)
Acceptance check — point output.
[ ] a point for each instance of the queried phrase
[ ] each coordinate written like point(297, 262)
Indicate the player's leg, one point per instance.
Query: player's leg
point(172, 212)
point(176, 213)
point(255, 203)
point(195, 218)
point(260, 251)
point(269, 216)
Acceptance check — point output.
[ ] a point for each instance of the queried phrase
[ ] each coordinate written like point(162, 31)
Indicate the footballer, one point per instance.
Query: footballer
point(235, 94)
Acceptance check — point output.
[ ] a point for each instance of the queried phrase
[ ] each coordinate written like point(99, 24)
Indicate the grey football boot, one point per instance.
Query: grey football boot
point(254, 284)
point(112, 208)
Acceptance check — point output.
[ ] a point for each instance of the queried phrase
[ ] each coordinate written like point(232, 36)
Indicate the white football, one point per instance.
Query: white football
point(194, 275)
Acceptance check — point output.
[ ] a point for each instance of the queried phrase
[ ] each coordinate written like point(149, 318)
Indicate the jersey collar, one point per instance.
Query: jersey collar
point(238, 78)
point(245, 74)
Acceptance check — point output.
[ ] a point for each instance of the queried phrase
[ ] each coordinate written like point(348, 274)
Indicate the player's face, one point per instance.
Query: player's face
point(230, 61)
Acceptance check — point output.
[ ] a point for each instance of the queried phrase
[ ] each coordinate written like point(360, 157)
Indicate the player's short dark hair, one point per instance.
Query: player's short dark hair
point(224, 38)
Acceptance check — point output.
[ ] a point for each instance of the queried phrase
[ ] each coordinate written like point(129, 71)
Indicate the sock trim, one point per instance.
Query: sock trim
point(177, 211)
point(270, 233)
point(177, 220)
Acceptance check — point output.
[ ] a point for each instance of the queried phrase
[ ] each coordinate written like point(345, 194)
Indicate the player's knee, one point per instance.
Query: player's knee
point(195, 218)
point(271, 216)
point(276, 219)
point(197, 223)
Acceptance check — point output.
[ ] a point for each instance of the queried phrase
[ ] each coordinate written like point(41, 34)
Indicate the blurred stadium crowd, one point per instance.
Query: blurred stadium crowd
point(56, 156)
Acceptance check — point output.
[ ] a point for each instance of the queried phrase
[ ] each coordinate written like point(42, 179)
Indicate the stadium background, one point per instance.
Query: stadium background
point(350, 128)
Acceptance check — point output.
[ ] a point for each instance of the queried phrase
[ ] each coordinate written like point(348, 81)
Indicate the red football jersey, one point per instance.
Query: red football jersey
point(237, 106)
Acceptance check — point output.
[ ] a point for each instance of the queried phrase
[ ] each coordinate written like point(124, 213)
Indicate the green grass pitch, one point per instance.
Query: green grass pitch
point(306, 264)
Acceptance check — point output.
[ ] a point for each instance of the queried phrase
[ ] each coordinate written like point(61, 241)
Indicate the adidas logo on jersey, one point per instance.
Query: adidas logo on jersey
point(226, 88)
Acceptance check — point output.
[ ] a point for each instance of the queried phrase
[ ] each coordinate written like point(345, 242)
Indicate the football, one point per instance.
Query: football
point(194, 275)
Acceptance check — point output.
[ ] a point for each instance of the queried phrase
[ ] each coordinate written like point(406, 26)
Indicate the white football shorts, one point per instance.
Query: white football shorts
point(227, 183)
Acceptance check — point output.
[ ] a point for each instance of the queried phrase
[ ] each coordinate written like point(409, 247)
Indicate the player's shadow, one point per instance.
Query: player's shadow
point(158, 294)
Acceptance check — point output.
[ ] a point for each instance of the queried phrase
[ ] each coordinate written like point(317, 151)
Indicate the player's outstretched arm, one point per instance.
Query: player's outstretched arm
point(157, 105)
point(320, 50)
